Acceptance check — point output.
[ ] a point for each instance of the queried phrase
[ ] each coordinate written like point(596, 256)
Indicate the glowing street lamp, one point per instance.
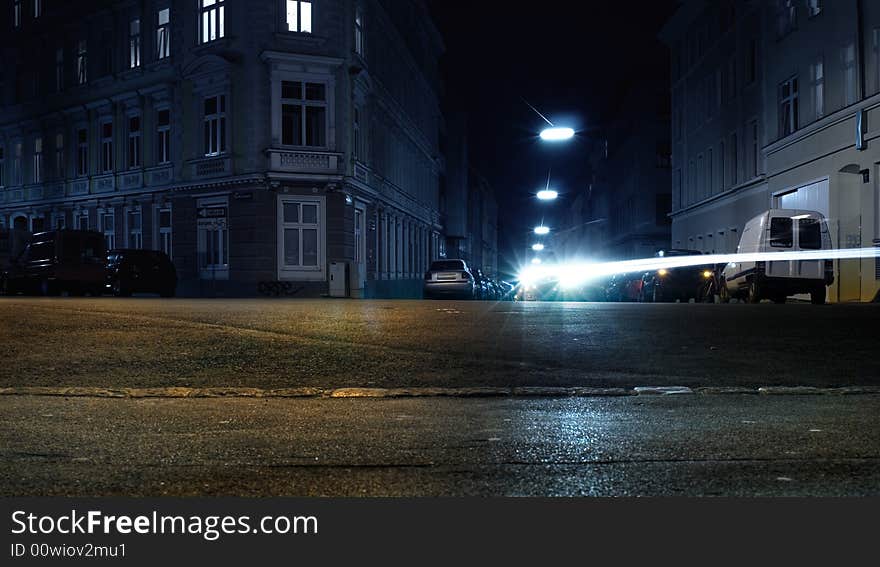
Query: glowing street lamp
point(557, 134)
point(537, 247)
point(542, 230)
point(536, 260)
point(547, 194)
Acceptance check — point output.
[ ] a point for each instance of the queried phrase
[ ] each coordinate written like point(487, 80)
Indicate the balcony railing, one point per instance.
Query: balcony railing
point(103, 183)
point(303, 161)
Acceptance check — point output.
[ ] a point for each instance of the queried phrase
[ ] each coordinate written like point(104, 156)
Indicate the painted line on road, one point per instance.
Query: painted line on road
point(426, 392)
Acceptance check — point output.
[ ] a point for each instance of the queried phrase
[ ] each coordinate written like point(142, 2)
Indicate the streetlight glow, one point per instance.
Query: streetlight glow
point(536, 260)
point(537, 247)
point(556, 134)
point(547, 194)
point(542, 230)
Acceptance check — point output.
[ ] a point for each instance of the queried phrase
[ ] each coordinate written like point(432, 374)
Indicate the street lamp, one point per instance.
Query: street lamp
point(557, 134)
point(547, 194)
point(536, 260)
point(537, 247)
point(542, 230)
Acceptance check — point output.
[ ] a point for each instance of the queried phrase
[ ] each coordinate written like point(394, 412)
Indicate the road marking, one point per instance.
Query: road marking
point(662, 390)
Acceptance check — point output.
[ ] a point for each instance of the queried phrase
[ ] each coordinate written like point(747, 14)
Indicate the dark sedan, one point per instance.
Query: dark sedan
point(681, 284)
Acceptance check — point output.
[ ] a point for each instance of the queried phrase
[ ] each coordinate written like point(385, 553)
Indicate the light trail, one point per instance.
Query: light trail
point(574, 273)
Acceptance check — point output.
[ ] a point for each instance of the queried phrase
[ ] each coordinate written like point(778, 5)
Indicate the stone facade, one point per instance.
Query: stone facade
point(271, 147)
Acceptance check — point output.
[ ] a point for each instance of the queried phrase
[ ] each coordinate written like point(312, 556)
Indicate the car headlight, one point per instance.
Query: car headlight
point(707, 274)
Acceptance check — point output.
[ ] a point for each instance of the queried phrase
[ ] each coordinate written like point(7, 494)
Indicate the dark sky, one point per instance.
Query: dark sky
point(571, 60)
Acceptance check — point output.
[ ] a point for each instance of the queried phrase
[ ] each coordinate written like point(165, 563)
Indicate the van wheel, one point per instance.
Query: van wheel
point(817, 295)
point(754, 291)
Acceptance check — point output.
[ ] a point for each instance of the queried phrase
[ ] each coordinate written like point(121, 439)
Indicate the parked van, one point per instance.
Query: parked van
point(58, 261)
point(780, 230)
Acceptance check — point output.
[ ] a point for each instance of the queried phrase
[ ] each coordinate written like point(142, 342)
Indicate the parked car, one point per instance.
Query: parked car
point(58, 261)
point(683, 284)
point(624, 287)
point(449, 278)
point(780, 230)
point(140, 271)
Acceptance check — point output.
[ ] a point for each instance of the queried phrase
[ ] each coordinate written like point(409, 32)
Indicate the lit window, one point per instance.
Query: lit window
point(215, 125)
point(82, 152)
point(134, 43)
point(303, 114)
point(299, 16)
point(82, 62)
point(163, 34)
point(212, 20)
point(134, 141)
point(163, 136)
point(38, 160)
point(106, 147)
point(359, 31)
point(788, 107)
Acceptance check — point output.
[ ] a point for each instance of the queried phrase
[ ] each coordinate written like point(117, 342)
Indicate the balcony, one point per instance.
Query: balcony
point(103, 183)
point(78, 187)
point(160, 175)
point(210, 167)
point(130, 180)
point(303, 161)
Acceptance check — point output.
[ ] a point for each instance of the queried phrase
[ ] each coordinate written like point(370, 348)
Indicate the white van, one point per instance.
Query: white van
point(780, 230)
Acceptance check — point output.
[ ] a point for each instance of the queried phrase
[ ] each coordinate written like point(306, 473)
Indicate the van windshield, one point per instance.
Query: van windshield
point(781, 235)
point(809, 234)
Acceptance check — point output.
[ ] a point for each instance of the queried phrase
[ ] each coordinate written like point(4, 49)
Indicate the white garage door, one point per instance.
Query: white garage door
point(813, 197)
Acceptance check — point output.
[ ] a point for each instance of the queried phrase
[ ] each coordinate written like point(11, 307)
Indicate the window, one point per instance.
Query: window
point(817, 76)
point(809, 234)
point(754, 154)
point(82, 152)
point(358, 236)
point(38, 160)
point(163, 34)
point(16, 13)
point(133, 225)
point(301, 234)
point(734, 160)
point(215, 125)
point(59, 69)
point(303, 114)
point(299, 16)
point(58, 221)
point(82, 220)
point(134, 43)
point(17, 178)
point(788, 107)
point(106, 147)
point(213, 239)
point(163, 136)
point(359, 30)
point(814, 7)
point(752, 62)
point(108, 227)
point(780, 232)
point(356, 145)
point(163, 224)
point(82, 62)
point(848, 55)
point(59, 156)
point(38, 8)
point(786, 17)
point(134, 141)
point(212, 21)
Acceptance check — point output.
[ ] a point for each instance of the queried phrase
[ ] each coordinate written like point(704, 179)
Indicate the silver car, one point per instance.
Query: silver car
point(449, 278)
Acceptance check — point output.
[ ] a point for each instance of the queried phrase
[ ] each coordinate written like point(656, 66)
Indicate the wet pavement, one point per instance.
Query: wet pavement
point(715, 445)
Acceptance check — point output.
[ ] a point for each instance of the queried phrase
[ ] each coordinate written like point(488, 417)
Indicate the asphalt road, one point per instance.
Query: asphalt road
point(718, 445)
point(143, 342)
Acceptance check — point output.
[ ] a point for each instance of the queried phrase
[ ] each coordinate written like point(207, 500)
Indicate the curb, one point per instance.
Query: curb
point(475, 392)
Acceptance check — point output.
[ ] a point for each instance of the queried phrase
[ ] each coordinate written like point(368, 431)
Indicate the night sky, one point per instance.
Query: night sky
point(572, 61)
